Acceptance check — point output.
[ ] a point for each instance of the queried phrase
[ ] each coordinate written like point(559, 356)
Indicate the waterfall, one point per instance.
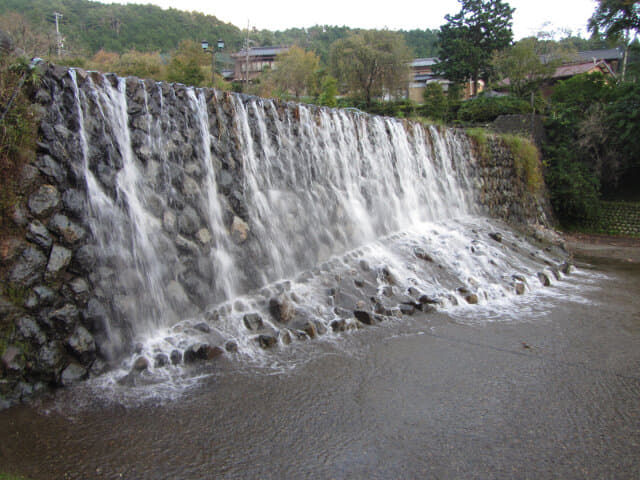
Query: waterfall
point(207, 206)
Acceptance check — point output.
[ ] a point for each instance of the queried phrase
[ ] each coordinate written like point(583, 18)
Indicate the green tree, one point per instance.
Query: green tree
point(186, 65)
point(328, 92)
point(371, 63)
point(469, 39)
point(528, 63)
point(295, 72)
point(436, 105)
point(616, 19)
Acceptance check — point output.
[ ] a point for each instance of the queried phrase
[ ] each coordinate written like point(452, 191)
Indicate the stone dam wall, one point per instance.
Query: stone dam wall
point(66, 287)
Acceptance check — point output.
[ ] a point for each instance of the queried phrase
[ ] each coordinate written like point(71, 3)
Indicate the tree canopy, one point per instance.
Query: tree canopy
point(615, 17)
point(469, 39)
point(528, 63)
point(371, 63)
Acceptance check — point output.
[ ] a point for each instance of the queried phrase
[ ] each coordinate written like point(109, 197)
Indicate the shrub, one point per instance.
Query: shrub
point(527, 161)
point(487, 109)
point(17, 131)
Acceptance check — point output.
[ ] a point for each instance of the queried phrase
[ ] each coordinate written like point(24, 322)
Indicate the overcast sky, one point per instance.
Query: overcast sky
point(530, 16)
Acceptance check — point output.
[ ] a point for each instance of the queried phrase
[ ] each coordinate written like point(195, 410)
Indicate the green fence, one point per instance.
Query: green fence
point(620, 218)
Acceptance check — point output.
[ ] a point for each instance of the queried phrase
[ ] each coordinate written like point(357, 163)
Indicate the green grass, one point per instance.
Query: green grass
point(6, 476)
point(527, 161)
point(480, 139)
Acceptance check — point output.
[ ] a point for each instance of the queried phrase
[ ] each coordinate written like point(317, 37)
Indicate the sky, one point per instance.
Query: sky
point(530, 17)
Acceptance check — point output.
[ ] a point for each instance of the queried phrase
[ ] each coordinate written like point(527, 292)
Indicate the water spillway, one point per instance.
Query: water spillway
point(217, 222)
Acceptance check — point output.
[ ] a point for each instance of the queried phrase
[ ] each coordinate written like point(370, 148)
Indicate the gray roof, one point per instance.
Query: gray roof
point(606, 54)
point(262, 51)
point(424, 62)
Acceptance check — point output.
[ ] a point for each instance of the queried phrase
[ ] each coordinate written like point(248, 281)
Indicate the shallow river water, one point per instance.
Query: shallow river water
point(546, 388)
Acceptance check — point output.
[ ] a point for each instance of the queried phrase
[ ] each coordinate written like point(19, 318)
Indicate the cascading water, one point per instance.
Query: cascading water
point(238, 222)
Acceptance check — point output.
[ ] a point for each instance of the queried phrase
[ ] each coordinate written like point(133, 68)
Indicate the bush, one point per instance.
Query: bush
point(436, 104)
point(17, 131)
point(487, 109)
point(527, 161)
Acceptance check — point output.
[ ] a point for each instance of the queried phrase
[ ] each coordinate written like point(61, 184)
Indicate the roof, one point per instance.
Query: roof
point(261, 52)
point(424, 62)
point(594, 55)
point(578, 68)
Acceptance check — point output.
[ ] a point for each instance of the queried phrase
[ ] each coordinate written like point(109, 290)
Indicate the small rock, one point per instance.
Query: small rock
point(231, 346)
point(520, 288)
point(175, 357)
point(38, 234)
point(203, 236)
point(422, 254)
point(471, 299)
point(544, 279)
point(68, 230)
point(567, 268)
point(281, 308)
point(140, 364)
point(267, 341)
point(44, 200)
point(82, 344)
point(161, 360)
point(202, 327)
point(253, 321)
point(363, 316)
point(239, 230)
point(59, 259)
point(29, 267)
point(496, 236)
point(73, 374)
point(407, 308)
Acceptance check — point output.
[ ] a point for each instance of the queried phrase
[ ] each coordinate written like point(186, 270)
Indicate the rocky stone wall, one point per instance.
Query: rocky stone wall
point(619, 218)
point(506, 194)
point(57, 302)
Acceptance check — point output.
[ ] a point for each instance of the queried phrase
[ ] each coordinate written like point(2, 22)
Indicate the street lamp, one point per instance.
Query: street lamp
point(212, 51)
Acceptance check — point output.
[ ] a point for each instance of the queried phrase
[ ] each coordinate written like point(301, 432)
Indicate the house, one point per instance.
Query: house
point(422, 74)
point(605, 61)
point(257, 59)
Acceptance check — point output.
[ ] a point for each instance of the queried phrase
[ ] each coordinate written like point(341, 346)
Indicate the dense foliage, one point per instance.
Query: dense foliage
point(592, 144)
point(17, 130)
point(371, 63)
point(486, 109)
point(469, 39)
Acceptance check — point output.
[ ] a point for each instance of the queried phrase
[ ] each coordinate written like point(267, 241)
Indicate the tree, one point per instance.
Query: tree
point(185, 64)
point(436, 105)
point(328, 92)
point(469, 39)
point(527, 64)
point(616, 19)
point(371, 63)
point(295, 71)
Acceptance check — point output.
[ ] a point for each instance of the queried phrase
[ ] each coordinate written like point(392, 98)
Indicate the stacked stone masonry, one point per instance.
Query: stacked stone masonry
point(54, 309)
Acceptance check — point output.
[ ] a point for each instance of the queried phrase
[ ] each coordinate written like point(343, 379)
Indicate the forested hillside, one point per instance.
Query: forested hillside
point(88, 27)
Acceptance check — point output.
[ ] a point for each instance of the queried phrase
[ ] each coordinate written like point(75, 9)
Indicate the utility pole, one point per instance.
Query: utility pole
point(246, 49)
point(58, 16)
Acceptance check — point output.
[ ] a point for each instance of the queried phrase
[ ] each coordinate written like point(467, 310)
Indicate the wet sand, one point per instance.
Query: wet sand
point(522, 396)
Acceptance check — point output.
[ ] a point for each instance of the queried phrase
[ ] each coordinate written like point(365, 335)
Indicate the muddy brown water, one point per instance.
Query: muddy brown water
point(522, 395)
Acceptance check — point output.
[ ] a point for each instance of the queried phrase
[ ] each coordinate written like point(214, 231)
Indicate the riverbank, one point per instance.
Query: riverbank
point(603, 248)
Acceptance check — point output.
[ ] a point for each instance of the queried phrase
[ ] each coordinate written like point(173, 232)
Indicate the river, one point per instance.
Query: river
point(548, 389)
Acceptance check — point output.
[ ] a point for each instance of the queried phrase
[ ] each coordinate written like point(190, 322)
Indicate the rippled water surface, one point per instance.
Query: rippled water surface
point(544, 386)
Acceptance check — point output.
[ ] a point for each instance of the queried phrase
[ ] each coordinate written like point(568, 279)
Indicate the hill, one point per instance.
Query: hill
point(91, 26)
